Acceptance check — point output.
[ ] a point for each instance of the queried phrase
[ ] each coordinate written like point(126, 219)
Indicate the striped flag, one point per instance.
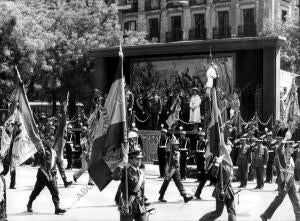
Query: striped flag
point(108, 148)
point(28, 141)
point(216, 143)
point(292, 113)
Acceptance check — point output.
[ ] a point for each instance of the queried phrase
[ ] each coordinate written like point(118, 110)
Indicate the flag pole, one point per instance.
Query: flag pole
point(121, 55)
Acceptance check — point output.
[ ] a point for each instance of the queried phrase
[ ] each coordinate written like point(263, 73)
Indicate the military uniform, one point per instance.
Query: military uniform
point(243, 161)
point(46, 176)
point(172, 172)
point(222, 200)
point(69, 148)
point(3, 214)
point(136, 209)
point(161, 152)
point(271, 151)
point(184, 147)
point(199, 155)
point(286, 185)
point(260, 159)
point(155, 108)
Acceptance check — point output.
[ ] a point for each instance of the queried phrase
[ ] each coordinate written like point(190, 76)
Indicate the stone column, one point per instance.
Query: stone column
point(186, 16)
point(164, 21)
point(271, 87)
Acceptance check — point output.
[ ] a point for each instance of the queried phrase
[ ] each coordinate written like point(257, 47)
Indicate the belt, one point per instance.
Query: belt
point(162, 147)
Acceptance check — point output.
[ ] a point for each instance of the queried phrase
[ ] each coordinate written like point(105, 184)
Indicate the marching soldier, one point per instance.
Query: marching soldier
point(3, 214)
point(243, 161)
point(46, 176)
point(172, 172)
point(184, 147)
point(199, 155)
point(269, 143)
point(260, 159)
point(136, 181)
point(161, 152)
point(286, 182)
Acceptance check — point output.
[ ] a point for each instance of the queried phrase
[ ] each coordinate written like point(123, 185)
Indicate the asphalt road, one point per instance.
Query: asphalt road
point(90, 204)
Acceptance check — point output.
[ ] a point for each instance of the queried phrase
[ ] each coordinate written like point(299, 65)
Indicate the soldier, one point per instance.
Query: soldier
point(136, 181)
point(223, 191)
point(269, 143)
point(3, 214)
point(161, 152)
point(286, 182)
point(85, 155)
point(46, 176)
point(155, 108)
point(69, 146)
point(199, 155)
point(260, 159)
point(243, 161)
point(184, 147)
point(172, 172)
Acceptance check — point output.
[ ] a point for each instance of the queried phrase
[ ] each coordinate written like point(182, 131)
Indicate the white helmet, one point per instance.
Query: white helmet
point(132, 134)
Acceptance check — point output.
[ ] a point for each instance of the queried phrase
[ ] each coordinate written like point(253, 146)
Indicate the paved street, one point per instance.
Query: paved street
point(100, 206)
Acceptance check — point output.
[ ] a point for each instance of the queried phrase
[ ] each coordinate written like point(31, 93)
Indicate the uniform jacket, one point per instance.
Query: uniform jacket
point(184, 143)
point(260, 156)
point(48, 164)
point(244, 155)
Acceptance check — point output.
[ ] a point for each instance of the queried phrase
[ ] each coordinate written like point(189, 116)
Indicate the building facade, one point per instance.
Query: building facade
point(173, 20)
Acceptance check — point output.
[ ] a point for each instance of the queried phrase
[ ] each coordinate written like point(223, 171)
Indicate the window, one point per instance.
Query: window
point(130, 26)
point(223, 22)
point(176, 23)
point(283, 15)
point(153, 28)
point(199, 21)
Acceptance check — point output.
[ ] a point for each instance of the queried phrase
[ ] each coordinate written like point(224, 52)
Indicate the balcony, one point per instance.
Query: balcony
point(222, 33)
point(197, 2)
point(128, 5)
point(174, 36)
point(247, 31)
point(197, 34)
point(152, 5)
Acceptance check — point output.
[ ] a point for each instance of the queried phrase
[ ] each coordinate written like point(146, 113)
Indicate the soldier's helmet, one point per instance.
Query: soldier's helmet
point(132, 134)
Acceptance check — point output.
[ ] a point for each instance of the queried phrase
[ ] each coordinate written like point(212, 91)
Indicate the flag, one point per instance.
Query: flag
point(59, 141)
point(108, 148)
point(7, 133)
point(28, 141)
point(216, 143)
point(292, 112)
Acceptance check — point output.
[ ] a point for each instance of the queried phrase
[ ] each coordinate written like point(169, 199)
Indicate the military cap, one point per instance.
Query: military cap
point(164, 130)
point(182, 132)
point(135, 152)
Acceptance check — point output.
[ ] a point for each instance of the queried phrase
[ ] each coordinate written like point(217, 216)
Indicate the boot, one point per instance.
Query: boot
point(68, 183)
point(161, 199)
point(59, 211)
point(29, 207)
point(187, 198)
point(263, 218)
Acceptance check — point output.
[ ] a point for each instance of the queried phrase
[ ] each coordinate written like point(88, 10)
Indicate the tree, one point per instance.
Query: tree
point(290, 57)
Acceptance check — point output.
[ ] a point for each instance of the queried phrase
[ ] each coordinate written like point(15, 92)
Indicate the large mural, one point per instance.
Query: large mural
point(180, 74)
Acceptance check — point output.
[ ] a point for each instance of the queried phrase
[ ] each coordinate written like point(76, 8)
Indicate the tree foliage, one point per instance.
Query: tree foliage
point(290, 57)
point(49, 40)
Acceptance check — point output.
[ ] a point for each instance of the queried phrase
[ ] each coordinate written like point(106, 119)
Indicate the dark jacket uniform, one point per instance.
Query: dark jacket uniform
point(243, 160)
point(199, 156)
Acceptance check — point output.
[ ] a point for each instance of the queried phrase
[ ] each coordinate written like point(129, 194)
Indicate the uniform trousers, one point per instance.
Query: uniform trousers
point(177, 180)
point(269, 169)
point(243, 172)
point(161, 153)
point(292, 192)
point(260, 173)
point(69, 156)
point(41, 182)
point(183, 156)
point(211, 216)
